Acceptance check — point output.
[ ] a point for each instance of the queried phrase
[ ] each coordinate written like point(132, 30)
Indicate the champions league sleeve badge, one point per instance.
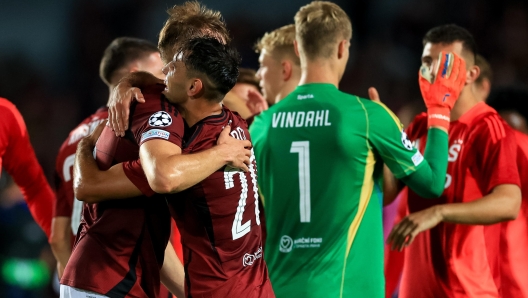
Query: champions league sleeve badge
point(160, 119)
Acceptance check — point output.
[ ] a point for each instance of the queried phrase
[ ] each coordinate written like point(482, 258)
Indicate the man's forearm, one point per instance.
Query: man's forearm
point(172, 273)
point(500, 205)
point(181, 171)
point(428, 181)
point(60, 241)
point(92, 185)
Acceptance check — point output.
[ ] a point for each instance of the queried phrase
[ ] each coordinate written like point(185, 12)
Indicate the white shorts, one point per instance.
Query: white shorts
point(70, 292)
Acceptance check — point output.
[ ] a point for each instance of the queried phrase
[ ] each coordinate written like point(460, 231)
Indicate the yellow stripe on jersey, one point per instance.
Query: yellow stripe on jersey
point(394, 117)
point(262, 199)
point(364, 197)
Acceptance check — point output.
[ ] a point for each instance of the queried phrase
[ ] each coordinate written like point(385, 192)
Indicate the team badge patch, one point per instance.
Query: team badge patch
point(405, 141)
point(160, 119)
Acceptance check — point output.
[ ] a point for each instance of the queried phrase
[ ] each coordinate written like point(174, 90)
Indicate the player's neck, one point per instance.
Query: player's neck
point(288, 88)
point(319, 71)
point(195, 110)
point(465, 102)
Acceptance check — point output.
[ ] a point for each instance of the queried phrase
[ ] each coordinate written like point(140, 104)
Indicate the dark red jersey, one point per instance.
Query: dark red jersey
point(455, 260)
point(18, 159)
point(120, 246)
point(66, 204)
point(514, 242)
point(219, 222)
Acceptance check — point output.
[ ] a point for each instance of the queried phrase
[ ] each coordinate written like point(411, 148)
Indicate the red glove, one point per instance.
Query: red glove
point(440, 95)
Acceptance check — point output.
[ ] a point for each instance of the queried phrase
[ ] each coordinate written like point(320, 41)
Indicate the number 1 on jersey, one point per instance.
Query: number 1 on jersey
point(303, 149)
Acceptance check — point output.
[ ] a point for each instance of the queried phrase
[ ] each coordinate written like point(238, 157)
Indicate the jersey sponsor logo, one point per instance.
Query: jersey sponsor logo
point(405, 141)
point(302, 97)
point(250, 258)
point(417, 158)
point(160, 119)
point(286, 244)
point(155, 133)
point(301, 119)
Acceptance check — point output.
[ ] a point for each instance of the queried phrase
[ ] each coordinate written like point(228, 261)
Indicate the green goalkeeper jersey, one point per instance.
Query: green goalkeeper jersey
point(320, 155)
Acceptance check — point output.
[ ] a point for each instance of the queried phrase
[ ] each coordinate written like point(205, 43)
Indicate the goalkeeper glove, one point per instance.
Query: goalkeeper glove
point(441, 94)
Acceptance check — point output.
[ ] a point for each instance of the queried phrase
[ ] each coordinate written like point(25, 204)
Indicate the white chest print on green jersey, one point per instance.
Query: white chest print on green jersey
point(301, 119)
point(287, 244)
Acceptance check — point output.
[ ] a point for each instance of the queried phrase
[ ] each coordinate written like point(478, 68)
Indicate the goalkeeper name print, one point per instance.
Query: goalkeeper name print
point(301, 119)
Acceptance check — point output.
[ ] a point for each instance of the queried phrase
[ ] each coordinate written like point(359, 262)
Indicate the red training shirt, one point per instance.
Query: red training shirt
point(19, 160)
point(514, 242)
point(455, 260)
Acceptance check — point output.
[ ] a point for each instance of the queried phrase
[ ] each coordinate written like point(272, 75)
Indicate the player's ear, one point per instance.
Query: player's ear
point(472, 74)
point(341, 48)
point(286, 70)
point(195, 88)
point(296, 48)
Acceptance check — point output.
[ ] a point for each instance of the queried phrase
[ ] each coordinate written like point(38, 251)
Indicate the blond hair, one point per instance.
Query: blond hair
point(319, 26)
point(279, 42)
point(189, 20)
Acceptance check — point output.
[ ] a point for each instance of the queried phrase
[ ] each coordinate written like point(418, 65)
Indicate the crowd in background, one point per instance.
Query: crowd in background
point(49, 58)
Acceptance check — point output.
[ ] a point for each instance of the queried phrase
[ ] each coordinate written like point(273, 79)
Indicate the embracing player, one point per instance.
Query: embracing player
point(122, 56)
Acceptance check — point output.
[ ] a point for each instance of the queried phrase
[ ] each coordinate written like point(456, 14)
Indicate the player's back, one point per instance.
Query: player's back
point(219, 221)
point(120, 245)
point(322, 196)
point(66, 204)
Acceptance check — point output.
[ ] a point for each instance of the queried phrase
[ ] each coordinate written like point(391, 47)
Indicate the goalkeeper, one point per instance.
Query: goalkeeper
point(320, 154)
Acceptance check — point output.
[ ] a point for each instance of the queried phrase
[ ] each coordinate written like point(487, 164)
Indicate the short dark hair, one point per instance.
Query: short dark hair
point(248, 76)
point(216, 63)
point(121, 52)
point(509, 99)
point(188, 20)
point(485, 69)
point(447, 34)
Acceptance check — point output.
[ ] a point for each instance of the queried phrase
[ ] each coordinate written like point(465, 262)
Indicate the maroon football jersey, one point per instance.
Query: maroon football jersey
point(219, 221)
point(66, 205)
point(456, 260)
point(120, 246)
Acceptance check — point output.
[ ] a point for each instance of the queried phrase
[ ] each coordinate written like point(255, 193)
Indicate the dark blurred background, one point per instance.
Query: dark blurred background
point(50, 52)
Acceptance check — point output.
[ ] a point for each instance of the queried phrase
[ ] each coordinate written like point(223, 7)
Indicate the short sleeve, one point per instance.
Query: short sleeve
point(157, 119)
point(498, 153)
point(135, 174)
point(390, 141)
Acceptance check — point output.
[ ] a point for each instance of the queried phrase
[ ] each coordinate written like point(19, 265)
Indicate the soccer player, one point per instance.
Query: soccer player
point(18, 158)
point(320, 154)
point(280, 68)
point(218, 217)
point(509, 103)
point(122, 56)
point(455, 239)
